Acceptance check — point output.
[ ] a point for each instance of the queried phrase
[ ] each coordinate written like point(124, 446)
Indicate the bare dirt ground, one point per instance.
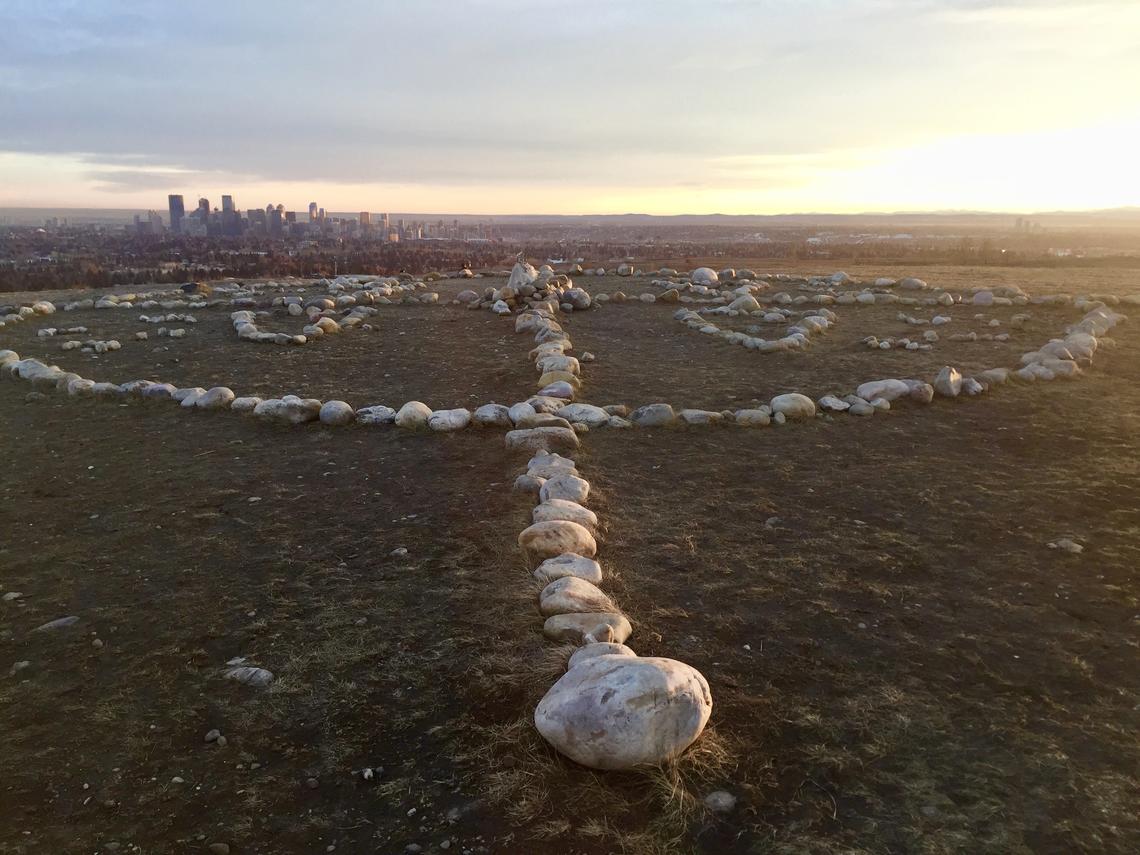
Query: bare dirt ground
point(899, 663)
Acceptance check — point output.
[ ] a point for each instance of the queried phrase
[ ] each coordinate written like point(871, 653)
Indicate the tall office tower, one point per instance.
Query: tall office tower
point(365, 218)
point(155, 222)
point(227, 204)
point(177, 212)
point(312, 211)
point(386, 224)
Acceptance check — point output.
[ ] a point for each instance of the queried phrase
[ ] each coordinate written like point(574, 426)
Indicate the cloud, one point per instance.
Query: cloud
point(554, 94)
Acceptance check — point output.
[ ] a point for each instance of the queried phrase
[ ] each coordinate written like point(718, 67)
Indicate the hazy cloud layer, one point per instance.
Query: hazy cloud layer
point(662, 93)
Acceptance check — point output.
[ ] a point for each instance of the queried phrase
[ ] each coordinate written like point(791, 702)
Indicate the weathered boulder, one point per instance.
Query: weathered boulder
point(620, 712)
point(653, 415)
point(414, 415)
point(948, 383)
point(888, 390)
point(548, 539)
point(598, 648)
point(561, 509)
point(587, 414)
point(793, 405)
point(289, 409)
point(377, 414)
point(246, 406)
point(492, 415)
point(565, 486)
point(336, 413)
point(522, 274)
point(542, 439)
point(753, 418)
point(704, 276)
point(449, 420)
point(216, 398)
point(569, 564)
point(588, 627)
point(571, 595)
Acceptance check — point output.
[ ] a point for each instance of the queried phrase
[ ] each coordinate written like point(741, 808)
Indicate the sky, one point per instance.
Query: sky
point(572, 106)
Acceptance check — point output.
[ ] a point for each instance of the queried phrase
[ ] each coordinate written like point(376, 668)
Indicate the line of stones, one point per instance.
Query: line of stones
point(554, 403)
point(611, 709)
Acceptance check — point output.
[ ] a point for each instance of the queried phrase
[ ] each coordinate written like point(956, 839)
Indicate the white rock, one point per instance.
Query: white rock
point(833, 404)
point(493, 415)
point(704, 276)
point(445, 421)
point(948, 383)
point(290, 409)
point(413, 415)
point(217, 398)
point(587, 414)
point(561, 509)
point(565, 486)
point(793, 406)
point(569, 564)
point(588, 627)
point(572, 595)
point(548, 539)
point(888, 390)
point(622, 712)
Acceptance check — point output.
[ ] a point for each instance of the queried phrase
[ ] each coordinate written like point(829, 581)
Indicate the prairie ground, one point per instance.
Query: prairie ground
point(898, 660)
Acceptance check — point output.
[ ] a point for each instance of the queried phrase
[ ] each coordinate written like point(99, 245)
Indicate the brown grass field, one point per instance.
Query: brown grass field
point(899, 663)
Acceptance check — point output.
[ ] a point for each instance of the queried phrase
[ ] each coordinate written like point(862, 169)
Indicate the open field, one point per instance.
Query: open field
point(898, 661)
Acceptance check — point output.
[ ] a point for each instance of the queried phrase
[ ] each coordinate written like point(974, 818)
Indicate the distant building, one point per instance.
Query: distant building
point(227, 204)
point(312, 212)
point(177, 212)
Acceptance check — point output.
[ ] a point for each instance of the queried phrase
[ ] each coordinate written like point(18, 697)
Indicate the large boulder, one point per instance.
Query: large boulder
point(336, 413)
point(548, 539)
point(621, 712)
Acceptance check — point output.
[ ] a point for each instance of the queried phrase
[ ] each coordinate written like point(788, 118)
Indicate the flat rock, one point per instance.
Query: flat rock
point(449, 420)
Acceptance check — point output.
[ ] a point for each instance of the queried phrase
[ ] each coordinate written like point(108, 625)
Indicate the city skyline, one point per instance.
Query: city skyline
point(832, 106)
